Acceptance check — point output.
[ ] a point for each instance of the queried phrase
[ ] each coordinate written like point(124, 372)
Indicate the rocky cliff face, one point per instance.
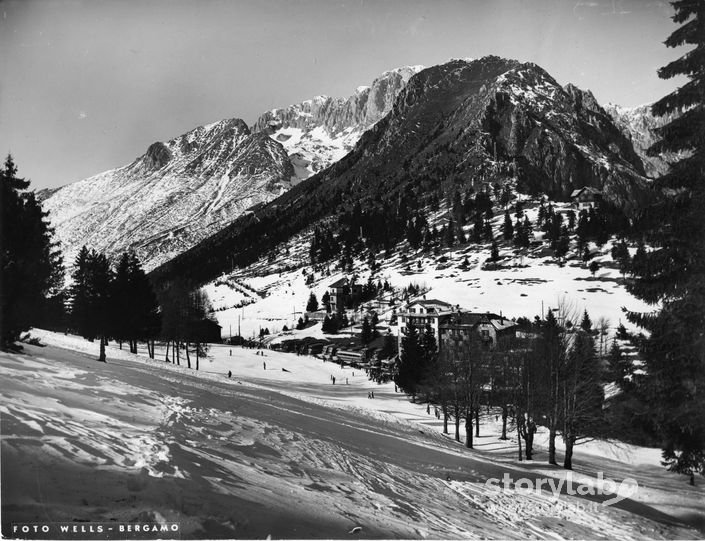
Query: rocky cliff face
point(320, 131)
point(464, 118)
point(176, 194)
point(640, 125)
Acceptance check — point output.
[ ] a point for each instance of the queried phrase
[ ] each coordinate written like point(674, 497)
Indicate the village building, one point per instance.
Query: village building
point(464, 326)
point(586, 197)
point(341, 292)
point(450, 323)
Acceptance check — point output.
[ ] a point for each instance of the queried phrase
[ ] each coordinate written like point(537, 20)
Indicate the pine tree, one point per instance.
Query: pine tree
point(325, 299)
point(30, 264)
point(121, 302)
point(79, 296)
point(410, 361)
point(494, 252)
point(91, 297)
point(145, 313)
point(507, 227)
point(620, 254)
point(672, 273)
point(312, 304)
point(586, 322)
point(366, 333)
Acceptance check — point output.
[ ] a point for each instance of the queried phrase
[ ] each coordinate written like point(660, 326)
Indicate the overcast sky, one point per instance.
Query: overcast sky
point(88, 85)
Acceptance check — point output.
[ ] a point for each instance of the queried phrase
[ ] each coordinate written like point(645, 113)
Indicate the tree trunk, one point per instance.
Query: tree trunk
point(468, 431)
point(120, 342)
point(552, 445)
point(529, 452)
point(519, 441)
point(196, 356)
point(477, 421)
point(188, 357)
point(101, 355)
point(445, 418)
point(457, 423)
point(166, 356)
point(177, 347)
point(505, 414)
point(568, 462)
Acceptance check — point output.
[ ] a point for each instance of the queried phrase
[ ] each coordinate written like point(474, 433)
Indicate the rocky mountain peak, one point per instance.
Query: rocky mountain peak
point(319, 131)
point(157, 156)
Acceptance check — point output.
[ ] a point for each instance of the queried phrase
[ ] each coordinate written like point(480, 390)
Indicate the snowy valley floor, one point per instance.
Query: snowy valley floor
point(284, 452)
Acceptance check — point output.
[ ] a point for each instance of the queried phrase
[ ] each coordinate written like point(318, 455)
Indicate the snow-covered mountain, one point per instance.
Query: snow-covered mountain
point(173, 196)
point(320, 131)
point(640, 125)
point(182, 191)
point(466, 125)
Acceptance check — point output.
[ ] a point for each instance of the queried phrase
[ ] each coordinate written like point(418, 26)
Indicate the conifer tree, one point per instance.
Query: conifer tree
point(672, 273)
point(145, 314)
point(31, 268)
point(494, 254)
point(312, 304)
point(586, 322)
point(91, 297)
point(507, 227)
point(366, 333)
point(410, 361)
point(121, 301)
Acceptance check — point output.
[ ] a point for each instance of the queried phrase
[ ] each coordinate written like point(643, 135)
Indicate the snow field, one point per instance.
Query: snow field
point(360, 482)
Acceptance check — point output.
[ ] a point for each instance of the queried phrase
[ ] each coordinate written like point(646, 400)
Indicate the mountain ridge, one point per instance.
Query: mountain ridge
point(465, 124)
point(183, 190)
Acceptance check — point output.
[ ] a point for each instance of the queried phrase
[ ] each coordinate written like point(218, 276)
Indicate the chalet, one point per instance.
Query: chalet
point(341, 291)
point(586, 197)
point(421, 313)
point(465, 326)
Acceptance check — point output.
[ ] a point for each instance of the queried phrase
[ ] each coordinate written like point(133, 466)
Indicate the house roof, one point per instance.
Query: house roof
point(503, 324)
point(432, 302)
point(471, 319)
point(339, 283)
point(587, 190)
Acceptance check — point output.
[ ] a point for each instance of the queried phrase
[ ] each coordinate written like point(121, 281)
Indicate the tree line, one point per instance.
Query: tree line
point(121, 304)
point(552, 376)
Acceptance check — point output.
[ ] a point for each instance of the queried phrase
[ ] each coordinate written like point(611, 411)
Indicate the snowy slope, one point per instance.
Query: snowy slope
point(282, 453)
point(526, 282)
point(175, 195)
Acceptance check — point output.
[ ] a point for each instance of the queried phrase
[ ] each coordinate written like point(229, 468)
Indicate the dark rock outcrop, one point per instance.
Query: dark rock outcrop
point(157, 156)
